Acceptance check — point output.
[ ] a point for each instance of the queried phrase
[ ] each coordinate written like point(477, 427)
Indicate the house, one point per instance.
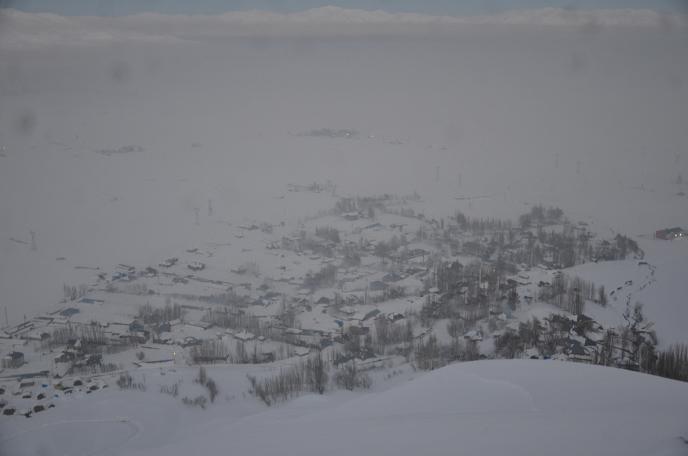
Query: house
point(13, 360)
point(136, 326)
point(268, 357)
point(196, 266)
point(372, 314)
point(190, 341)
point(474, 335)
point(324, 300)
point(302, 351)
point(200, 324)
point(64, 357)
point(351, 216)
point(168, 263)
point(348, 310)
point(165, 326)
point(576, 352)
point(391, 277)
point(377, 285)
point(69, 312)
point(395, 316)
point(668, 234)
point(244, 336)
point(126, 273)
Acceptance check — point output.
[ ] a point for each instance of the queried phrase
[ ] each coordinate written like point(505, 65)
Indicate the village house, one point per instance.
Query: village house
point(196, 266)
point(668, 234)
point(13, 360)
point(244, 336)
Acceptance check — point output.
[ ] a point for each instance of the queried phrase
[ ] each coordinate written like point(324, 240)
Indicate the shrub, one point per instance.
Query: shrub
point(198, 401)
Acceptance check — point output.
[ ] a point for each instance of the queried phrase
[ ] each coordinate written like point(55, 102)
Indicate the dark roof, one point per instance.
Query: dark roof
point(68, 312)
point(377, 285)
point(674, 230)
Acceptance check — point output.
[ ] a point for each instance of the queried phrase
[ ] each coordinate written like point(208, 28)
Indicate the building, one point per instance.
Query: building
point(670, 233)
point(196, 266)
point(13, 360)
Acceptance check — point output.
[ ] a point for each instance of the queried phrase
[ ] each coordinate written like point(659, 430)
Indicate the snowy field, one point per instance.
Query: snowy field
point(487, 407)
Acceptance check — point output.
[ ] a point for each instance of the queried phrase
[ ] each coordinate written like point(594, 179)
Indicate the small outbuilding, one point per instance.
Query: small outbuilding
point(13, 360)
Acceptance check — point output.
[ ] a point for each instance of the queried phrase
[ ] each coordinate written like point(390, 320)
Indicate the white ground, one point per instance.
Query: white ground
point(519, 407)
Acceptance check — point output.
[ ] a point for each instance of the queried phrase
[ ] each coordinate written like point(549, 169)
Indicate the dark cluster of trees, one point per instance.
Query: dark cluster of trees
point(229, 298)
point(673, 363)
point(209, 351)
point(349, 377)
point(311, 375)
point(126, 381)
point(480, 226)
point(73, 292)
point(390, 292)
point(153, 315)
point(632, 345)
point(387, 249)
point(90, 335)
point(354, 346)
point(570, 294)
point(351, 256)
point(511, 344)
point(392, 334)
point(227, 318)
point(429, 354)
point(325, 277)
point(366, 205)
point(243, 356)
point(204, 380)
point(199, 401)
point(328, 233)
point(539, 215)
point(315, 245)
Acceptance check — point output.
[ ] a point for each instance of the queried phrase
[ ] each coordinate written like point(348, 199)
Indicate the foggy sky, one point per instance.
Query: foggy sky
point(217, 115)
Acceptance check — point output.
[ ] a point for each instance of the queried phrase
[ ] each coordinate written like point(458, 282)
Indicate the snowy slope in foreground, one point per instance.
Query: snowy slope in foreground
point(489, 407)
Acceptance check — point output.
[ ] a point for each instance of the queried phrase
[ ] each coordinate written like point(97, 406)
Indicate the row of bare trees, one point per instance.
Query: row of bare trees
point(311, 375)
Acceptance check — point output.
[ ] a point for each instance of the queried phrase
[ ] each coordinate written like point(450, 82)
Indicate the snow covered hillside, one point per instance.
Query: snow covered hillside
point(486, 407)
